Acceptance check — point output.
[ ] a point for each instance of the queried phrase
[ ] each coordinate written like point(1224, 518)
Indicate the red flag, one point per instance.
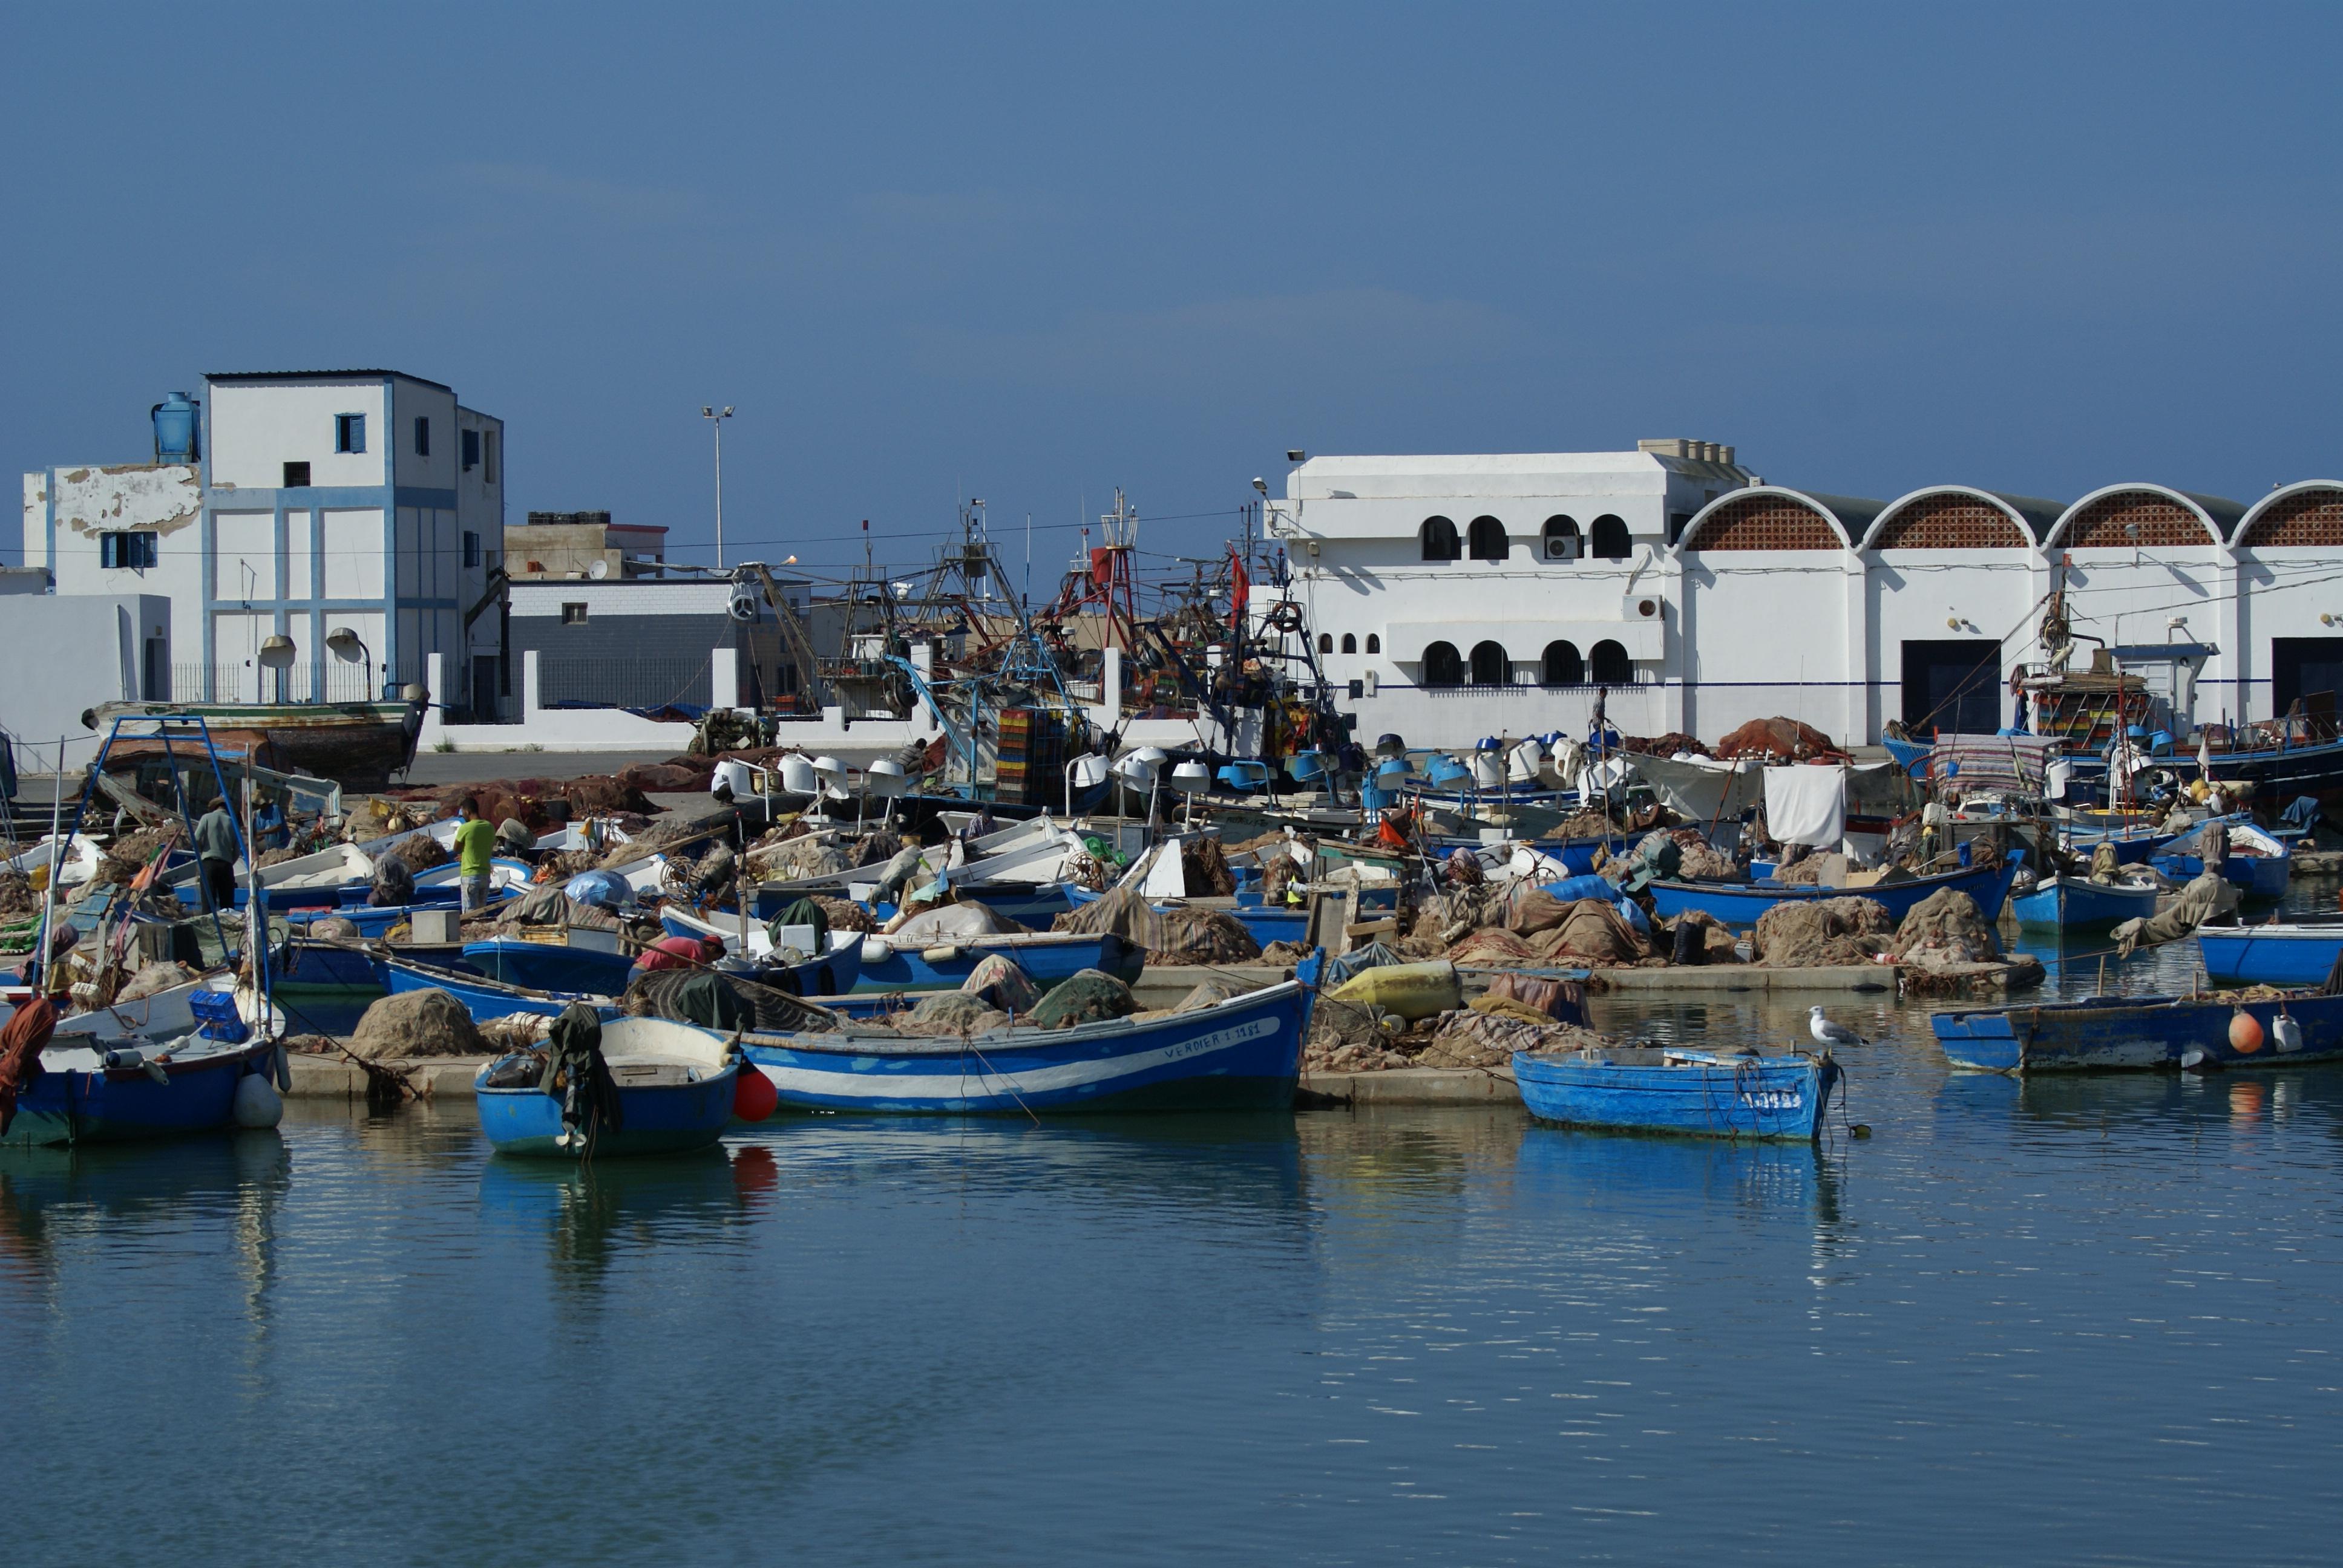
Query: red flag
point(1240, 591)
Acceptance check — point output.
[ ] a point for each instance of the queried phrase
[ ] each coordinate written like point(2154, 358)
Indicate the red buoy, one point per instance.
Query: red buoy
point(754, 1098)
point(2245, 1032)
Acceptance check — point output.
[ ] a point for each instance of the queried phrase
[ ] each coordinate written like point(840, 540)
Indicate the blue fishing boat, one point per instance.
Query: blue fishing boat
point(1740, 904)
point(2257, 862)
point(110, 1091)
point(2071, 903)
point(1047, 958)
point(483, 998)
point(836, 971)
point(2141, 1032)
point(2287, 955)
point(588, 960)
point(2134, 845)
point(674, 1088)
point(1241, 1054)
point(1696, 1094)
point(1264, 923)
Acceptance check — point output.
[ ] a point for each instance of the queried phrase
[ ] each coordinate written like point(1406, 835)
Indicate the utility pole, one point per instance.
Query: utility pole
point(707, 412)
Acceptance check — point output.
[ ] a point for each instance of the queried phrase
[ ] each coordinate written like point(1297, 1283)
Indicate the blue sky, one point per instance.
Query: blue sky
point(1033, 252)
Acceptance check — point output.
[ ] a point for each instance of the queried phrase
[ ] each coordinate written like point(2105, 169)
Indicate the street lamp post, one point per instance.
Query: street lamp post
point(707, 412)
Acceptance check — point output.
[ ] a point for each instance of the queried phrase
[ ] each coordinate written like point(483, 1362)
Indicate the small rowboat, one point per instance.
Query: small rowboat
point(1241, 1054)
point(1698, 1093)
point(579, 959)
point(2262, 873)
point(112, 1090)
point(2269, 955)
point(2142, 1033)
point(2070, 903)
point(1739, 904)
point(675, 1085)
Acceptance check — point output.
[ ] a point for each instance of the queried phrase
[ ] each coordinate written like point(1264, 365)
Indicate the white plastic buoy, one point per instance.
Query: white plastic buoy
point(2286, 1032)
point(875, 950)
point(257, 1103)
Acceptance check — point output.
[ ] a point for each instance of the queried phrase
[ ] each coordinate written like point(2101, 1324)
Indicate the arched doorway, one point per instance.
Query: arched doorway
point(1442, 665)
point(1490, 665)
point(1563, 665)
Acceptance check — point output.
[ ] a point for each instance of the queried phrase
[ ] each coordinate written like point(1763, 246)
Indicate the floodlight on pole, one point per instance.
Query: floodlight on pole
point(707, 412)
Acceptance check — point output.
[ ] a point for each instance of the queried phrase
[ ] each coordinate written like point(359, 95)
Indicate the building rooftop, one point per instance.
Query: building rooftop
point(318, 376)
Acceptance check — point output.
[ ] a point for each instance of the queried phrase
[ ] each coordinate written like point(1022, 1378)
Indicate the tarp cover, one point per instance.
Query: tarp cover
point(1702, 790)
point(952, 923)
point(1807, 804)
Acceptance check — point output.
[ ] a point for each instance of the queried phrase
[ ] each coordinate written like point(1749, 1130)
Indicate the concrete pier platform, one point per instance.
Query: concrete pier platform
point(1409, 1086)
point(338, 1078)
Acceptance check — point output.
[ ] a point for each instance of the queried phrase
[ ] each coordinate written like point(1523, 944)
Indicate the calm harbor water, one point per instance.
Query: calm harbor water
point(2079, 1322)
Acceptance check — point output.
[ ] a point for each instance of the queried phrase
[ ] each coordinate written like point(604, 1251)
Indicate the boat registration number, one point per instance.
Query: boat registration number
point(1774, 1100)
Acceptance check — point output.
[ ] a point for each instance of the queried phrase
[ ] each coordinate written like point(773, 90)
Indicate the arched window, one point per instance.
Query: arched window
point(1490, 666)
point(1374, 643)
point(1561, 540)
point(1609, 539)
point(1442, 668)
point(1563, 665)
point(1326, 643)
point(1349, 643)
point(1488, 540)
point(1608, 664)
point(1440, 543)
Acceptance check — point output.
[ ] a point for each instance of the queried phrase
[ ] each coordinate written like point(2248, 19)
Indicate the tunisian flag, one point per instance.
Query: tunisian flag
point(1240, 592)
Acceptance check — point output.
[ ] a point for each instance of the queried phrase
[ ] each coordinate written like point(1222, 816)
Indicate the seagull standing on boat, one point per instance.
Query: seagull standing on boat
point(1826, 1032)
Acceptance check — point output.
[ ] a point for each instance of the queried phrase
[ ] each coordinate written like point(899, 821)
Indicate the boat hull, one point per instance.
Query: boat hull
point(2258, 876)
point(550, 966)
point(1242, 1055)
point(1769, 1099)
point(662, 1119)
point(2269, 955)
point(2129, 1033)
point(1740, 905)
point(120, 1105)
point(2067, 904)
point(1047, 960)
point(486, 999)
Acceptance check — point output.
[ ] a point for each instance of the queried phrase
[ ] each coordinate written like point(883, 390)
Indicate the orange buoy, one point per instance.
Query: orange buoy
point(754, 1098)
point(2245, 1032)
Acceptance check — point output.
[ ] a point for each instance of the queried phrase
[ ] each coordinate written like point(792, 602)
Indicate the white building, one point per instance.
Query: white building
point(1453, 598)
point(312, 501)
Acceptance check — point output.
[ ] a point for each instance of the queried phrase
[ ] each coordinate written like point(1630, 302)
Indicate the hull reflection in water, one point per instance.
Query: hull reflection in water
point(1789, 1178)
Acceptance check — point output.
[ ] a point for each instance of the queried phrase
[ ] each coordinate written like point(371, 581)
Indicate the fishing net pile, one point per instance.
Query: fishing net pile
point(420, 852)
point(1674, 743)
point(951, 1012)
point(1206, 867)
point(277, 856)
point(722, 1002)
point(1813, 933)
point(416, 1023)
point(127, 856)
point(1945, 927)
point(1088, 995)
point(16, 895)
point(1776, 739)
point(1698, 860)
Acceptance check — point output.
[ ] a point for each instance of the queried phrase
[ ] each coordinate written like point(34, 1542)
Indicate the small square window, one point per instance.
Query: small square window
point(349, 432)
point(128, 551)
point(470, 441)
point(296, 475)
point(471, 548)
point(573, 615)
point(422, 436)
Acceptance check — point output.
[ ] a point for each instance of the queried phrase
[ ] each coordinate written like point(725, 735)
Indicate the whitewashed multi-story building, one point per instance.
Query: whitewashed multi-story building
point(1453, 598)
point(297, 504)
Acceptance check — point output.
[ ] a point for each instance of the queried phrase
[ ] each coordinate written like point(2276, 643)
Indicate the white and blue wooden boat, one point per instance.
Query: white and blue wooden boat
point(483, 998)
point(2263, 874)
point(1696, 1094)
point(96, 1090)
point(1266, 924)
point(833, 972)
point(2283, 955)
point(1740, 904)
point(2071, 903)
point(1241, 1054)
point(2138, 1033)
point(1047, 958)
point(2134, 845)
point(675, 1087)
point(576, 959)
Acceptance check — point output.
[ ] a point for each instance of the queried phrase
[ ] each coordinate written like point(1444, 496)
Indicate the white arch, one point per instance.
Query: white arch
point(2058, 539)
point(2254, 513)
point(2025, 527)
point(1829, 506)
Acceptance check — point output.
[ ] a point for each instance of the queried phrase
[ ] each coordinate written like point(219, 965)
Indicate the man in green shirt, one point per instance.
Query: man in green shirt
point(476, 845)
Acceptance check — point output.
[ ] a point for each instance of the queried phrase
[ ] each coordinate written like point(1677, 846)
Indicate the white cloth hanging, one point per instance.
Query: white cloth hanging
point(1806, 803)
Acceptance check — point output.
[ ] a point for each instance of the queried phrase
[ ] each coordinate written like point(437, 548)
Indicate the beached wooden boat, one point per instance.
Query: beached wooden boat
point(2141, 1032)
point(675, 1087)
point(1241, 1054)
point(1695, 1093)
point(358, 745)
point(1739, 904)
point(2072, 903)
point(2287, 955)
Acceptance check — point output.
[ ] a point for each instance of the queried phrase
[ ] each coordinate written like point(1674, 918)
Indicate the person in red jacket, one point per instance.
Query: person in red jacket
point(680, 954)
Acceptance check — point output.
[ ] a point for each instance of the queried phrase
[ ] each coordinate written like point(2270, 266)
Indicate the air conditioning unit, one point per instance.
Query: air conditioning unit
point(1563, 547)
point(1640, 607)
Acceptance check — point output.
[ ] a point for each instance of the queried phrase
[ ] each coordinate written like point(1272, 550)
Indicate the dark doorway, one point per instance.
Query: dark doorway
point(484, 689)
point(2301, 666)
point(1952, 685)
